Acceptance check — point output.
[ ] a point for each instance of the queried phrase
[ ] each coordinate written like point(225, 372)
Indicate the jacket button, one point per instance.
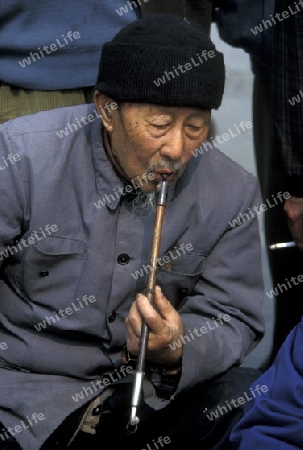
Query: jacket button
point(112, 317)
point(44, 273)
point(123, 259)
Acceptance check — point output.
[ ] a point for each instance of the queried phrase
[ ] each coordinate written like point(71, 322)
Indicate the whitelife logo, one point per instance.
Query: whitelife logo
point(103, 382)
point(36, 236)
point(86, 120)
point(273, 20)
point(64, 313)
point(176, 71)
point(166, 259)
point(137, 182)
point(7, 433)
point(210, 142)
point(209, 326)
point(10, 160)
point(33, 57)
point(280, 288)
point(129, 6)
point(231, 404)
point(243, 217)
point(297, 99)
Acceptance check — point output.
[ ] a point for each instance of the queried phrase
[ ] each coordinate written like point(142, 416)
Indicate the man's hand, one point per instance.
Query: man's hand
point(165, 326)
point(294, 210)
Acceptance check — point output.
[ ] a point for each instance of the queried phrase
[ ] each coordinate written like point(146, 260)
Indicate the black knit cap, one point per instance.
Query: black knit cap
point(153, 48)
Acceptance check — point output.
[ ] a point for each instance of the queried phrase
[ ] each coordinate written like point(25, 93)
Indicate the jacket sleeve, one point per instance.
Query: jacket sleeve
point(222, 318)
point(273, 419)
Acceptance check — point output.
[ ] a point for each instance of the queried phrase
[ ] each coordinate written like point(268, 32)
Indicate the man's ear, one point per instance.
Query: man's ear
point(105, 105)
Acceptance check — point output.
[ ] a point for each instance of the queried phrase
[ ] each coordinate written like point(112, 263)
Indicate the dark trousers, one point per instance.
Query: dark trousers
point(185, 424)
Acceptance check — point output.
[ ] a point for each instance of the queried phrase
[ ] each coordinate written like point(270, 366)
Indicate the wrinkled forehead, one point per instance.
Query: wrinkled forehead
point(173, 112)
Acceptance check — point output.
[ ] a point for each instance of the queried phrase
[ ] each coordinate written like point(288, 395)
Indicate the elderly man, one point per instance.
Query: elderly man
point(77, 207)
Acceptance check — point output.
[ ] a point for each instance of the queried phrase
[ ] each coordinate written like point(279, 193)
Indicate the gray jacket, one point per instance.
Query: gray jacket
point(85, 261)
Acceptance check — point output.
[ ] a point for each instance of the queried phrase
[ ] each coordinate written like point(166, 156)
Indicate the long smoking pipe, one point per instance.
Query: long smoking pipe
point(150, 293)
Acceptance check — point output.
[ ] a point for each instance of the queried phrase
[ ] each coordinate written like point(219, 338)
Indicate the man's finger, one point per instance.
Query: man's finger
point(132, 339)
point(153, 320)
point(165, 308)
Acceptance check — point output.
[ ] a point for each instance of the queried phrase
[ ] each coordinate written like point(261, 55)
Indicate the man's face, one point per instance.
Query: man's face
point(153, 140)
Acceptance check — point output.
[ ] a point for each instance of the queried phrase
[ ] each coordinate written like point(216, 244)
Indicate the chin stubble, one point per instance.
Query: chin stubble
point(144, 204)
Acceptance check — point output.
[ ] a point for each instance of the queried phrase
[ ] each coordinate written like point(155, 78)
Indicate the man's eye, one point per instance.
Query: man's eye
point(159, 126)
point(195, 128)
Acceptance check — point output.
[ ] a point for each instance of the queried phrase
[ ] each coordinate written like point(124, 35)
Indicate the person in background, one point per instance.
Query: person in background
point(287, 110)
point(49, 50)
point(274, 420)
point(250, 26)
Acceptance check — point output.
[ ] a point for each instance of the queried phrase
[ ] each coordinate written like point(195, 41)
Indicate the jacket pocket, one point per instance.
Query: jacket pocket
point(49, 271)
point(179, 276)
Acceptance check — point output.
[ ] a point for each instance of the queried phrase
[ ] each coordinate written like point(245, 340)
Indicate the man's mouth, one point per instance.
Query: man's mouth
point(169, 175)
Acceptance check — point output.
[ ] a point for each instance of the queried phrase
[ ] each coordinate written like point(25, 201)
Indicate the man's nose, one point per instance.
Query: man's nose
point(173, 145)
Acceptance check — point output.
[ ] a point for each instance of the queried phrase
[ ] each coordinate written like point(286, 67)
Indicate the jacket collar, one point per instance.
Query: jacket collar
point(108, 183)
